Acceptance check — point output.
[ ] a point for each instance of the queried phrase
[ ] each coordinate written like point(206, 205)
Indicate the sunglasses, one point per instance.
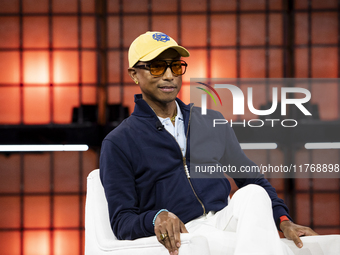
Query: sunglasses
point(158, 67)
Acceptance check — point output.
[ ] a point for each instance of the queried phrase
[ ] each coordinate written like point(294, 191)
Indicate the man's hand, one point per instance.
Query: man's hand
point(169, 226)
point(293, 232)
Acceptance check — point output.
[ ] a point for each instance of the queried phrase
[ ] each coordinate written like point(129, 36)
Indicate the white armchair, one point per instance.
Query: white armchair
point(99, 238)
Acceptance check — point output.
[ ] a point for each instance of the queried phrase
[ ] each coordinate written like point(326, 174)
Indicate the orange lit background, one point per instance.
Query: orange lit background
point(54, 54)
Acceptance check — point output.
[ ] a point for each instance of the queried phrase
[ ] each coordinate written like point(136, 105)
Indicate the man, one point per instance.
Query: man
point(145, 162)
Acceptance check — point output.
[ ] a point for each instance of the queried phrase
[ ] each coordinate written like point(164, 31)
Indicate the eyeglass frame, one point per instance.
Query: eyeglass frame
point(147, 67)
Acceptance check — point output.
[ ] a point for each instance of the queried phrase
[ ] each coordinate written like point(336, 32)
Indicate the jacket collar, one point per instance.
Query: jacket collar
point(142, 109)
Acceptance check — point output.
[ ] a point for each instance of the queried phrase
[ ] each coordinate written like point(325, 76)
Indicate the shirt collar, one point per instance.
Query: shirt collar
point(179, 114)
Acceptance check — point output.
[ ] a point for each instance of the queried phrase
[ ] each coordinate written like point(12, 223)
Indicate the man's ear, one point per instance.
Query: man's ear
point(133, 74)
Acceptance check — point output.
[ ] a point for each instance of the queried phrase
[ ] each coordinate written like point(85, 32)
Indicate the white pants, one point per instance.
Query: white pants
point(245, 226)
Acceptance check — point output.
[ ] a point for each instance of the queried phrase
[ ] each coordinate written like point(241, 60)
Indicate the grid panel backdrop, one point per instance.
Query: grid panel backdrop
point(56, 55)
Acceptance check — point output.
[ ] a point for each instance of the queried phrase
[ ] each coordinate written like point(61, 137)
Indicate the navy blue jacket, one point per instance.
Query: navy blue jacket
point(142, 171)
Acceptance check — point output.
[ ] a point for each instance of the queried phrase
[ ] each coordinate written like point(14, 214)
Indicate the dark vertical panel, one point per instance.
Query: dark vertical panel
point(267, 45)
point(208, 40)
point(149, 6)
point(81, 222)
point(288, 35)
point(22, 204)
point(238, 40)
point(121, 57)
point(101, 41)
point(51, 65)
point(21, 122)
point(51, 195)
point(309, 27)
point(311, 193)
point(179, 23)
point(80, 62)
point(21, 63)
point(288, 72)
point(311, 189)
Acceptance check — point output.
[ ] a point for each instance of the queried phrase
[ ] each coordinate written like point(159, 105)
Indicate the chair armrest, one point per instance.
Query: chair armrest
point(145, 242)
point(190, 245)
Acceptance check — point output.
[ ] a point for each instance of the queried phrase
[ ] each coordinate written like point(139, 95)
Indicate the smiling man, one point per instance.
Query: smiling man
point(158, 83)
point(145, 160)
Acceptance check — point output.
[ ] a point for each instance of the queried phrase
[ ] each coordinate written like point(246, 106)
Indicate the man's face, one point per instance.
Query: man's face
point(160, 89)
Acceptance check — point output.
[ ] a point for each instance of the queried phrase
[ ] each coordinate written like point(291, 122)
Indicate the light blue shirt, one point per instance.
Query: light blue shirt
point(176, 131)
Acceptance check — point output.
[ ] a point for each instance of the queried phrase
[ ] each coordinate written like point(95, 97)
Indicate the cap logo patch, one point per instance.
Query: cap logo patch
point(161, 37)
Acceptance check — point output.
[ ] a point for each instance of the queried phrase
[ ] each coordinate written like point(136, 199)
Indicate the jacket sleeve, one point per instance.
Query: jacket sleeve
point(118, 179)
point(235, 156)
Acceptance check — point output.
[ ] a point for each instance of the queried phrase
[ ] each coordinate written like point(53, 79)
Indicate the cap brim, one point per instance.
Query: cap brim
point(181, 50)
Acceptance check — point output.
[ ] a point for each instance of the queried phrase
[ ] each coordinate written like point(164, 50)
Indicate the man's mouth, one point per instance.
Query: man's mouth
point(167, 88)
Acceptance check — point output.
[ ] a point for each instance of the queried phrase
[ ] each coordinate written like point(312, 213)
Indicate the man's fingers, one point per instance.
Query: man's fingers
point(162, 236)
point(298, 241)
point(310, 232)
point(293, 232)
point(167, 229)
point(167, 244)
point(166, 241)
point(159, 233)
point(171, 237)
point(177, 235)
point(303, 232)
point(169, 240)
point(183, 228)
point(294, 235)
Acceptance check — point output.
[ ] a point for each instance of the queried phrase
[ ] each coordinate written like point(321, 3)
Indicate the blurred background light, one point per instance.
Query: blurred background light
point(258, 146)
point(331, 145)
point(46, 147)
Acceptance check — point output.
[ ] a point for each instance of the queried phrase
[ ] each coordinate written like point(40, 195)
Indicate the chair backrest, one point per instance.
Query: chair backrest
point(97, 223)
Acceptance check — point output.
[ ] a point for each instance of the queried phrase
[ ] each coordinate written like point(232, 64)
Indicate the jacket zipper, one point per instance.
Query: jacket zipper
point(184, 159)
point(185, 164)
point(186, 167)
point(193, 190)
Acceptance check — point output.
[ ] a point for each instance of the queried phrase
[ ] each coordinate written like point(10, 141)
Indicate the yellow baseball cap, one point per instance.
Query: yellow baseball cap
point(149, 45)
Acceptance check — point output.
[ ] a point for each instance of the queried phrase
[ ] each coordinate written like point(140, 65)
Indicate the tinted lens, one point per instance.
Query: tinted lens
point(177, 67)
point(157, 67)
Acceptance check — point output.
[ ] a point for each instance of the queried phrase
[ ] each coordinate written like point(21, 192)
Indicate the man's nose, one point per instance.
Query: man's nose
point(168, 75)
